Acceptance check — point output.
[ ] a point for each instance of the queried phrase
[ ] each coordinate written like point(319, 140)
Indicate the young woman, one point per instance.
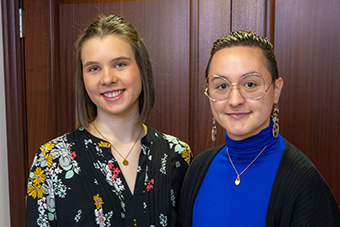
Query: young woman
point(257, 178)
point(113, 170)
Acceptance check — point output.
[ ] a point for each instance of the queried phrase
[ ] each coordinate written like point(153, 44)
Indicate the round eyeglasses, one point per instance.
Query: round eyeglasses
point(251, 86)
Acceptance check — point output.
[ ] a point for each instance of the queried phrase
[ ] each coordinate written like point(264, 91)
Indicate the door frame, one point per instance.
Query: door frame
point(15, 109)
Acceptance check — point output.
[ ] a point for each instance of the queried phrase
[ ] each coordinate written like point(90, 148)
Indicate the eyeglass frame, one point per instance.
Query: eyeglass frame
point(232, 87)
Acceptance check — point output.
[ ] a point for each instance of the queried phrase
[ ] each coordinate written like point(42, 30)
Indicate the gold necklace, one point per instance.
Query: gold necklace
point(238, 181)
point(125, 161)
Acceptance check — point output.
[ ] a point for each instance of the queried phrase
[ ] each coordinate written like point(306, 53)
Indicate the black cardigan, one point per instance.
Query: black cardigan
point(300, 196)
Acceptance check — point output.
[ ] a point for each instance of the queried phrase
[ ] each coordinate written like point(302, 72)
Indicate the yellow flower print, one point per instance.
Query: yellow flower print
point(104, 144)
point(98, 201)
point(47, 147)
point(35, 190)
point(186, 155)
point(39, 176)
point(49, 159)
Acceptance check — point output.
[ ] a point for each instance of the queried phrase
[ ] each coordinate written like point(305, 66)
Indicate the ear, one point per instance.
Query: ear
point(277, 89)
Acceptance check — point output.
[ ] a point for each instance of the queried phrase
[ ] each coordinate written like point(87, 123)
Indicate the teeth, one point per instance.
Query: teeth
point(113, 94)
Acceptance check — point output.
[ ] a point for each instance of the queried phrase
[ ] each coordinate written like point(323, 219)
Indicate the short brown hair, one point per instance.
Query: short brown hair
point(248, 39)
point(86, 110)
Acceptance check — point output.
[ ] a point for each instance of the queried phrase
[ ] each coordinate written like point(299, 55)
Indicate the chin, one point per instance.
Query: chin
point(238, 134)
point(237, 137)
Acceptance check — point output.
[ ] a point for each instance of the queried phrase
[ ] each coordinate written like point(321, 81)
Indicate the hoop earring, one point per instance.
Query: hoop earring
point(213, 131)
point(275, 118)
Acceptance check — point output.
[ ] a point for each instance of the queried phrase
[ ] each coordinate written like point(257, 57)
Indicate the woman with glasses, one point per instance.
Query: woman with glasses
point(257, 178)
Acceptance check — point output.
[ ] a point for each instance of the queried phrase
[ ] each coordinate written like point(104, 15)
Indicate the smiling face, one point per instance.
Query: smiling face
point(241, 117)
point(111, 76)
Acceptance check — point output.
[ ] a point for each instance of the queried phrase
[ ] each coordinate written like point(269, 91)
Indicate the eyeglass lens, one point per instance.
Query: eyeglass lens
point(250, 86)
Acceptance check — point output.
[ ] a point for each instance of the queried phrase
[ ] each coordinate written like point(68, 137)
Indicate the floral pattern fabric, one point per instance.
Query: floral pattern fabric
point(76, 181)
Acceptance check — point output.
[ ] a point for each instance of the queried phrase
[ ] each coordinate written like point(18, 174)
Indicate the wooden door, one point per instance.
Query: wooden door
point(39, 71)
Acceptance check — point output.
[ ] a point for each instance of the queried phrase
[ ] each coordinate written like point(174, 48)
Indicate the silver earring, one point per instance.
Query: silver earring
point(275, 117)
point(213, 131)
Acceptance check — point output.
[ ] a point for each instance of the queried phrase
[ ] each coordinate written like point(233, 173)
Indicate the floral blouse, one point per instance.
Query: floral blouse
point(76, 181)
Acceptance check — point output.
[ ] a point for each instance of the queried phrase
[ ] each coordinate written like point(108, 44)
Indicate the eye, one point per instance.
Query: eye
point(120, 65)
point(93, 69)
point(221, 86)
point(219, 83)
point(251, 82)
point(250, 85)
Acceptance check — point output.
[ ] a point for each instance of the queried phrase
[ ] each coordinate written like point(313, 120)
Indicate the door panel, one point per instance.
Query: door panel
point(40, 103)
point(308, 52)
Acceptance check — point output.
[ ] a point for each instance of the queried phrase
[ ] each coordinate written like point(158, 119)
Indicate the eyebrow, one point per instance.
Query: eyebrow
point(113, 60)
point(246, 74)
point(252, 73)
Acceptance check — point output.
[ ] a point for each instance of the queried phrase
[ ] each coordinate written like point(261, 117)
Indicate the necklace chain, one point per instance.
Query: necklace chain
point(238, 181)
point(125, 161)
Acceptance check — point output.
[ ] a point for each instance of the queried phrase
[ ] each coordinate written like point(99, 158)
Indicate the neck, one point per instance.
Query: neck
point(252, 144)
point(117, 130)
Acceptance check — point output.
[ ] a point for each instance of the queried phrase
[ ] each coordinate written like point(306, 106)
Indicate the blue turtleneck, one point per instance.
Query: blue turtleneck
point(220, 202)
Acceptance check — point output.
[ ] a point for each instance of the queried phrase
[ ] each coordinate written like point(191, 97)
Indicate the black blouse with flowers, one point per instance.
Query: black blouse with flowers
point(76, 181)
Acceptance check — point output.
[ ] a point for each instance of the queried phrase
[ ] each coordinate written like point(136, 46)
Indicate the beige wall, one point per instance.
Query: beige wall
point(4, 194)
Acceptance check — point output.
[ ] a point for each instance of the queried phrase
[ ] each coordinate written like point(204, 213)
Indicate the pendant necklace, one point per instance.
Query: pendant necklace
point(238, 180)
point(125, 161)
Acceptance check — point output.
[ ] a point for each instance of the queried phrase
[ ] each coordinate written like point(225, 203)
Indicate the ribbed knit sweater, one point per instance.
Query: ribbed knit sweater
point(300, 196)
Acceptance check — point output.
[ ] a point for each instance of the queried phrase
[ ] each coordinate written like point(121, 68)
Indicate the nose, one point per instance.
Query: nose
point(235, 97)
point(109, 76)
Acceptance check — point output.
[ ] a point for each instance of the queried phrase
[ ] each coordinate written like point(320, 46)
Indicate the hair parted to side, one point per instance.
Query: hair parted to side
point(247, 39)
point(86, 110)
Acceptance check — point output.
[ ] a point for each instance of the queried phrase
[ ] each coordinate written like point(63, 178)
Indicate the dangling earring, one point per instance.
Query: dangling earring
point(275, 117)
point(213, 131)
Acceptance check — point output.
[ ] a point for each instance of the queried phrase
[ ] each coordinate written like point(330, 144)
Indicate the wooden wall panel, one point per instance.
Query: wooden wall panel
point(249, 15)
point(308, 52)
point(15, 111)
point(213, 22)
point(164, 26)
point(40, 108)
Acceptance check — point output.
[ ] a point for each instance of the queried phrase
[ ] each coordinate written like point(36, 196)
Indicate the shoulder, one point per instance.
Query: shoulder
point(174, 143)
point(52, 143)
point(296, 168)
point(176, 147)
point(168, 138)
point(67, 138)
point(296, 163)
point(300, 176)
point(299, 192)
point(59, 147)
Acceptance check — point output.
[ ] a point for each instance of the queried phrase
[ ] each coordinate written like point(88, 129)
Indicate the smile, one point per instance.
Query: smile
point(237, 115)
point(113, 94)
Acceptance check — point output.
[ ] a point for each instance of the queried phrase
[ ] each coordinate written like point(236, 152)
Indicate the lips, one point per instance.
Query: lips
point(113, 94)
point(238, 114)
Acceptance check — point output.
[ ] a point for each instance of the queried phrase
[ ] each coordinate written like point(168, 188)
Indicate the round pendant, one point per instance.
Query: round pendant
point(125, 162)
